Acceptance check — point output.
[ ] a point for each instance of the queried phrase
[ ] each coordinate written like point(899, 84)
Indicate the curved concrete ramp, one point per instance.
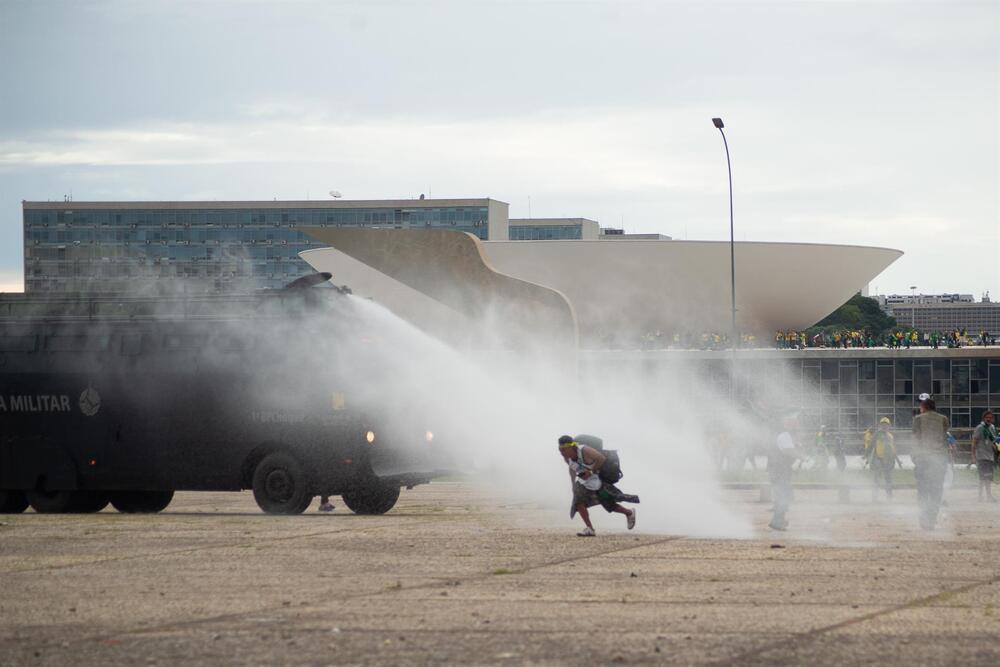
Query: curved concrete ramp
point(451, 268)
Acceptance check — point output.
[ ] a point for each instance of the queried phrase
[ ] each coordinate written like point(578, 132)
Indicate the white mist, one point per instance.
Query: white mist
point(501, 413)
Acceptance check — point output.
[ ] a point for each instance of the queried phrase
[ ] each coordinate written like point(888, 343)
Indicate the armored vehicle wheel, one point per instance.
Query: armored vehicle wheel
point(374, 498)
point(141, 502)
point(89, 502)
point(280, 485)
point(52, 502)
point(13, 502)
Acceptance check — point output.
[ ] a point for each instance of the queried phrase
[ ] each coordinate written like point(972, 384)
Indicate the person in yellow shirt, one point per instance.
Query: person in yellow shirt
point(881, 453)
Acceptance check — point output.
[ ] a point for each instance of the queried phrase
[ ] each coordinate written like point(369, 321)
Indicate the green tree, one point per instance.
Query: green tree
point(851, 316)
point(860, 312)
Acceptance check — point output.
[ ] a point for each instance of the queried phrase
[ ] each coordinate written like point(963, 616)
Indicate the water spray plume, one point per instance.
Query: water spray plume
point(498, 413)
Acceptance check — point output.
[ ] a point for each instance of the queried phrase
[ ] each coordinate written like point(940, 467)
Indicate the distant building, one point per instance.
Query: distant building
point(618, 234)
point(973, 317)
point(889, 301)
point(213, 246)
point(942, 312)
point(552, 229)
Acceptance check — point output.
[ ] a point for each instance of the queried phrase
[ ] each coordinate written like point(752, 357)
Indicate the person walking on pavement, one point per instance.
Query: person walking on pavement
point(882, 458)
point(821, 449)
point(839, 451)
point(930, 456)
point(984, 447)
point(782, 455)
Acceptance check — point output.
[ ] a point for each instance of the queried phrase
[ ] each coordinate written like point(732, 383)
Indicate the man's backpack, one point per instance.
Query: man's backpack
point(591, 441)
point(612, 470)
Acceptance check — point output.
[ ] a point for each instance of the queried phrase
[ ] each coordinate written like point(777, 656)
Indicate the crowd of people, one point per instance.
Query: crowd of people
point(900, 338)
point(933, 451)
point(846, 338)
point(708, 340)
point(933, 454)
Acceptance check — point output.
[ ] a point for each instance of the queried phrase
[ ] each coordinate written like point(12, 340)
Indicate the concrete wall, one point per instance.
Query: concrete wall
point(499, 218)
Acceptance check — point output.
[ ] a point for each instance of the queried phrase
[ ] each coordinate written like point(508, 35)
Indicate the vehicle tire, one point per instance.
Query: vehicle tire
point(13, 502)
point(52, 502)
point(89, 502)
point(376, 497)
point(280, 485)
point(141, 502)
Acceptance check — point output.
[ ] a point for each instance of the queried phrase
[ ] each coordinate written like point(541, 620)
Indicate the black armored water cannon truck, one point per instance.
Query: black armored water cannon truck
point(125, 400)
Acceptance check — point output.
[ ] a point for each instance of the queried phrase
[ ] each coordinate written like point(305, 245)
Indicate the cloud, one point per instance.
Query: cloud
point(582, 150)
point(605, 149)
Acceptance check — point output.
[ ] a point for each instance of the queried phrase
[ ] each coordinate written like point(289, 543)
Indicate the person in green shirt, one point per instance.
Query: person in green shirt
point(984, 446)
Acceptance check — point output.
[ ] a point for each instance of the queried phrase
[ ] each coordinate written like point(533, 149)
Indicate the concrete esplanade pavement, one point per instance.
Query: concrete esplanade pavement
point(453, 576)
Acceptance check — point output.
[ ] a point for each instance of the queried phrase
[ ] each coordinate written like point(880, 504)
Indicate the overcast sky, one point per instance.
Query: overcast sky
point(870, 123)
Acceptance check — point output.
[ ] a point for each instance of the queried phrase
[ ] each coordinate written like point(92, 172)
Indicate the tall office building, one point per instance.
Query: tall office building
point(212, 246)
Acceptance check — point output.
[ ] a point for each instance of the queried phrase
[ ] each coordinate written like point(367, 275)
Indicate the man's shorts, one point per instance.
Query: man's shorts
point(985, 469)
point(588, 498)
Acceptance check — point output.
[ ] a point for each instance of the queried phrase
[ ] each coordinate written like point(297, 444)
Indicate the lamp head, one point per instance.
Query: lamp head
point(718, 123)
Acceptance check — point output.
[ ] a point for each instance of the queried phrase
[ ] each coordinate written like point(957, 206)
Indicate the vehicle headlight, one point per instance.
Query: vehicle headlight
point(370, 437)
point(429, 437)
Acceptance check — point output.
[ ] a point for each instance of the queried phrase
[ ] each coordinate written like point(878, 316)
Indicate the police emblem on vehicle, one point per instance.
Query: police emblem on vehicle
point(90, 402)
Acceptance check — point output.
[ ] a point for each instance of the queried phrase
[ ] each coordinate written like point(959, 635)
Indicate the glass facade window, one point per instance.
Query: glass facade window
point(212, 249)
point(853, 394)
point(545, 232)
point(776, 386)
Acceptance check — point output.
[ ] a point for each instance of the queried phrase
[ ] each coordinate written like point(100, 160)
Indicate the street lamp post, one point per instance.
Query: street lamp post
point(732, 241)
point(732, 264)
point(913, 306)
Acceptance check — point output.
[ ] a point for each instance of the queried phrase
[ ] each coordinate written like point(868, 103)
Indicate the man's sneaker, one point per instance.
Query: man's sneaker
point(586, 532)
point(630, 520)
point(325, 507)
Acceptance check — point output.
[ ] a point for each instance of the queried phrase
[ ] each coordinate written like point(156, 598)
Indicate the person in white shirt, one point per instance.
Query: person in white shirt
point(779, 470)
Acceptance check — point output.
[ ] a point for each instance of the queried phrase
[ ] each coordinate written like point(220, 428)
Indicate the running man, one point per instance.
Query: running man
point(585, 467)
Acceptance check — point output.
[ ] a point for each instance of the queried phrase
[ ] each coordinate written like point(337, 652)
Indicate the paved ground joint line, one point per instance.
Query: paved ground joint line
point(175, 552)
point(809, 635)
point(446, 582)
